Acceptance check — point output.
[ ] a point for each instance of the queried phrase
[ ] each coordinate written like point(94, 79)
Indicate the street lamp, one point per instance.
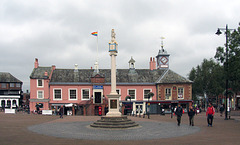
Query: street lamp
point(129, 97)
point(150, 95)
point(226, 63)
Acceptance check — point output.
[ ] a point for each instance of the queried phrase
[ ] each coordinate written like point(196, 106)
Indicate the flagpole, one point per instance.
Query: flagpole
point(97, 46)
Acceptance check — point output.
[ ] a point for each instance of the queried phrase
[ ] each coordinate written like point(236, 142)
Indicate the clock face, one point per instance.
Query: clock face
point(164, 60)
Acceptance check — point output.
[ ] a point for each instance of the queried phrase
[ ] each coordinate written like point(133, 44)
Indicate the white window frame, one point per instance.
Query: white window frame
point(170, 97)
point(69, 93)
point(42, 83)
point(179, 93)
point(135, 97)
point(38, 94)
point(144, 94)
point(54, 93)
point(82, 93)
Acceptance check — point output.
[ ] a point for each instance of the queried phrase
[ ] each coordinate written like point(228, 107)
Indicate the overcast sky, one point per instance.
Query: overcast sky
point(57, 32)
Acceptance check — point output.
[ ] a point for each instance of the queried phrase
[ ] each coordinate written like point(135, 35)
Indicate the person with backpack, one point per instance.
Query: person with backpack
point(179, 112)
point(210, 113)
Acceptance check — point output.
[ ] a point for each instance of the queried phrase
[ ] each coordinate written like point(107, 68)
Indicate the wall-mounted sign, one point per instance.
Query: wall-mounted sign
point(97, 87)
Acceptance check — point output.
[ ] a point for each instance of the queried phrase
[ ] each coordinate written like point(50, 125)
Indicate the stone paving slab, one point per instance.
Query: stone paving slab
point(81, 130)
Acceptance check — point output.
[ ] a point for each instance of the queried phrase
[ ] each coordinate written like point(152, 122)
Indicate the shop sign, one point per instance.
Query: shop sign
point(97, 87)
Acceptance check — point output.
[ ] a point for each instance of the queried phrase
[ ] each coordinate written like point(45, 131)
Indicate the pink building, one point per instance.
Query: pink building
point(84, 91)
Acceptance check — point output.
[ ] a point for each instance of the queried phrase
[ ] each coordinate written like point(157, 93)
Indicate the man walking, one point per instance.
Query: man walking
point(61, 112)
point(179, 112)
point(191, 113)
point(210, 113)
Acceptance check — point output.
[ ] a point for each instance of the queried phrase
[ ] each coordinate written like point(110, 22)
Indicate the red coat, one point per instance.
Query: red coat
point(210, 110)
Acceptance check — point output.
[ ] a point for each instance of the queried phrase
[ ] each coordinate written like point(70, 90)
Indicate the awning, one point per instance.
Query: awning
point(69, 105)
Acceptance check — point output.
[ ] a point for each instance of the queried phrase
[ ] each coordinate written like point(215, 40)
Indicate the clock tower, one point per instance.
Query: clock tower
point(162, 58)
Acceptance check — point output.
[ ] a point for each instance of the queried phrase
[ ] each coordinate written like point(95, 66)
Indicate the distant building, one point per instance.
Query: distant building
point(25, 99)
point(10, 90)
point(84, 91)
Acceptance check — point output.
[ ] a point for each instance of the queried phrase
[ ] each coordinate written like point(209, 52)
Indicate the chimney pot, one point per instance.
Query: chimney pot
point(36, 64)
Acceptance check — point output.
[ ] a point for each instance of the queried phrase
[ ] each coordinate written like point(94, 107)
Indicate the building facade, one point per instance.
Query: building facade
point(84, 91)
point(10, 91)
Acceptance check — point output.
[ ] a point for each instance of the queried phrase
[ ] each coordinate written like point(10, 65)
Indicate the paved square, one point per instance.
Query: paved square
point(14, 129)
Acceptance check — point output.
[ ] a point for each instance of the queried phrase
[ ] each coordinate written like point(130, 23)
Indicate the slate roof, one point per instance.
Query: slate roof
point(124, 76)
point(8, 78)
point(38, 73)
point(172, 77)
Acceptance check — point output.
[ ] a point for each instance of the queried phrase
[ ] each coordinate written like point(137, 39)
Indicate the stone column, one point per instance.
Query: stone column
point(113, 97)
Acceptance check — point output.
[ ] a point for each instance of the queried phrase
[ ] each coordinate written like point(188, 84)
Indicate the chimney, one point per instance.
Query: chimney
point(152, 63)
point(36, 63)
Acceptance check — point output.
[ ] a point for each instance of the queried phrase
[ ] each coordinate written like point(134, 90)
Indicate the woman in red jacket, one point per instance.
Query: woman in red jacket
point(210, 113)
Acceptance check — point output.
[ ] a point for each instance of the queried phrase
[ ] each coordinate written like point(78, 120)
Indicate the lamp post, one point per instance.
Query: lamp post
point(226, 64)
point(150, 95)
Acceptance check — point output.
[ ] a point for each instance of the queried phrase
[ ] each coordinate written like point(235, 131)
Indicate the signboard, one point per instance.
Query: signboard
point(11, 111)
point(113, 104)
point(97, 87)
point(46, 112)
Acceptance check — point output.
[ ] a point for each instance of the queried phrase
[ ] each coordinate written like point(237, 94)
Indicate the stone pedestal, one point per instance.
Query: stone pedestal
point(113, 107)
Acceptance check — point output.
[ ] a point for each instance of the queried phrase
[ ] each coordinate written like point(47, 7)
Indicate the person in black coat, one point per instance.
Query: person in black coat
point(191, 113)
point(179, 112)
point(61, 112)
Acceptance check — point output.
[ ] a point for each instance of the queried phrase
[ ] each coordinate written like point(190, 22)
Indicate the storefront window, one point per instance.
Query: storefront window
point(14, 102)
point(3, 103)
point(8, 103)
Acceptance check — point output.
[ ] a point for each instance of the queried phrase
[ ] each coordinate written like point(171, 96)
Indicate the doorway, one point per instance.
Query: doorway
point(98, 98)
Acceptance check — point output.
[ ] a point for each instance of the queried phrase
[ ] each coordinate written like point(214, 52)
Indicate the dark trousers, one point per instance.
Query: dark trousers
point(191, 120)
point(61, 115)
point(179, 119)
point(210, 119)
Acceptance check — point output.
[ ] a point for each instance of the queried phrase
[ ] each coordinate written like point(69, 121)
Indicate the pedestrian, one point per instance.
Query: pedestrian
point(37, 107)
point(191, 113)
point(221, 110)
point(61, 112)
point(210, 113)
point(179, 112)
point(172, 111)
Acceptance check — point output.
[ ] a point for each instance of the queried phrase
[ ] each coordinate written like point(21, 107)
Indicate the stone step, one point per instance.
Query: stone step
point(114, 126)
point(114, 122)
